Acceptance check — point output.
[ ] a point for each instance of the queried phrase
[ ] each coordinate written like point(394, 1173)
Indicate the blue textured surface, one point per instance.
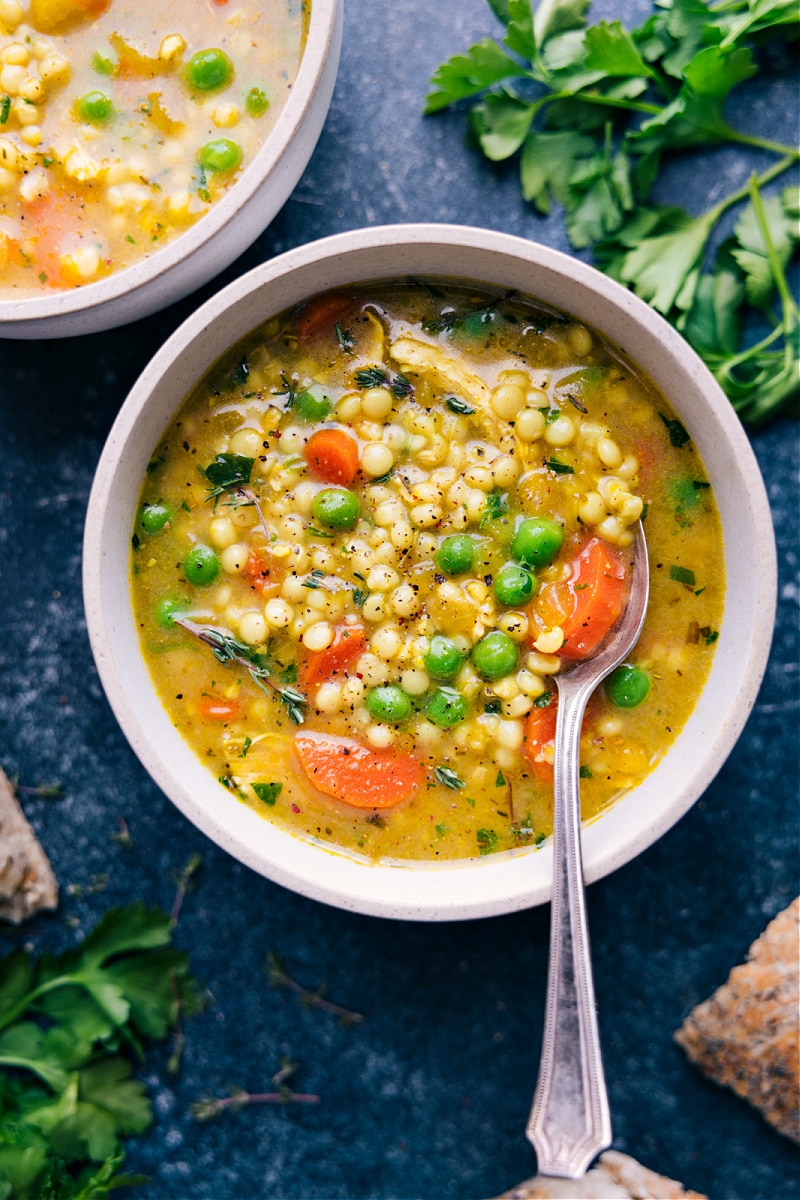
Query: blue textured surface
point(428, 1097)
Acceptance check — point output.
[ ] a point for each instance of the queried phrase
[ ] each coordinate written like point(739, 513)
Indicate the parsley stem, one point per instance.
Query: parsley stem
point(743, 192)
point(747, 139)
point(11, 1015)
point(787, 301)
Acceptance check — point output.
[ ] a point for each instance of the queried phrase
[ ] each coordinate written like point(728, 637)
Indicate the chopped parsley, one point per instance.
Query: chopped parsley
point(682, 575)
point(487, 840)
point(267, 792)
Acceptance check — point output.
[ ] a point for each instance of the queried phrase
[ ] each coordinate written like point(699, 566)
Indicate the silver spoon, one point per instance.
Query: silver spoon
point(570, 1121)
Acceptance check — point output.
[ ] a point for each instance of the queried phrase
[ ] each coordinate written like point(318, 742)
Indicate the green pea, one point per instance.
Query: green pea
point(443, 660)
point(514, 584)
point(256, 102)
point(154, 517)
point(389, 703)
point(537, 541)
point(167, 609)
point(336, 507)
point(456, 554)
point(627, 686)
point(446, 707)
point(96, 106)
point(312, 405)
point(220, 155)
point(495, 655)
point(209, 70)
point(201, 565)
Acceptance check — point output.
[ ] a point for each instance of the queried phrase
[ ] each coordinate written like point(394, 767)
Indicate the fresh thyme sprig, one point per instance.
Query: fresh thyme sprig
point(228, 649)
point(211, 1107)
point(279, 977)
point(232, 473)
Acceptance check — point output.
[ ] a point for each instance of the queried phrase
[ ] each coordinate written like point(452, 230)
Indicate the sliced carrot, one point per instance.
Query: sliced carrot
point(321, 314)
point(332, 456)
point(349, 643)
point(540, 732)
point(586, 605)
point(264, 573)
point(215, 708)
point(349, 771)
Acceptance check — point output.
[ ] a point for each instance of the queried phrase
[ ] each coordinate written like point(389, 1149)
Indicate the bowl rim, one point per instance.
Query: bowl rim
point(17, 311)
point(466, 888)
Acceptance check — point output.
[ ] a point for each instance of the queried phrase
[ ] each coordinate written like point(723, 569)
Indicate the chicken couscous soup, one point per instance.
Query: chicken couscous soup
point(375, 534)
point(121, 124)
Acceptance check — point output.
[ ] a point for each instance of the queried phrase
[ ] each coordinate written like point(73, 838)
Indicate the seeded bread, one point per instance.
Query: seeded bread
point(745, 1036)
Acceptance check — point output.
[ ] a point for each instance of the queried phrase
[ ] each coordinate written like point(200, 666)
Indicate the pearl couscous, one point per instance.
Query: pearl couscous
point(120, 127)
point(376, 533)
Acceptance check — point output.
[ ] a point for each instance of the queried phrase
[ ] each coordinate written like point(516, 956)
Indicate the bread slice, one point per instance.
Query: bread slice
point(745, 1036)
point(615, 1177)
point(27, 882)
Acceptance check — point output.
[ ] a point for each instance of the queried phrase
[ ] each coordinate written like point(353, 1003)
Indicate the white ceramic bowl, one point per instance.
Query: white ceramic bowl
point(501, 882)
point(219, 237)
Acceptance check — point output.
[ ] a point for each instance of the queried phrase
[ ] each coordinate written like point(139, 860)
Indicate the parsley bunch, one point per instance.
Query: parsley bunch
point(592, 111)
point(68, 1027)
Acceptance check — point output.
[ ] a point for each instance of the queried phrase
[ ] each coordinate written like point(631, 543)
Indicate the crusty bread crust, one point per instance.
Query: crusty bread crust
point(745, 1036)
point(615, 1177)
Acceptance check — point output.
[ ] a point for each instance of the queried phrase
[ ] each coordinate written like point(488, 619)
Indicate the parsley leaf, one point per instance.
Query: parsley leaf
point(593, 111)
point(467, 74)
point(70, 1097)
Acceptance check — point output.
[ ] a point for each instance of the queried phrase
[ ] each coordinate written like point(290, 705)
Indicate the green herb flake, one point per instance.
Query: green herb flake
point(682, 575)
point(102, 64)
point(267, 792)
point(248, 741)
point(371, 377)
point(709, 636)
point(5, 109)
point(496, 507)
point(586, 773)
point(487, 840)
point(457, 405)
point(543, 701)
point(448, 778)
point(228, 472)
point(560, 468)
point(345, 339)
point(678, 436)
point(500, 781)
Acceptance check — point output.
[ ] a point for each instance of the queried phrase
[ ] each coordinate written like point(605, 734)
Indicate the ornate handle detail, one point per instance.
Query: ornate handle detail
point(570, 1121)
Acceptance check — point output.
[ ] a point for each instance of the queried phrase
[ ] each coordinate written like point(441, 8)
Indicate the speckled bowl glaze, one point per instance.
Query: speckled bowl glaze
point(464, 888)
point(211, 244)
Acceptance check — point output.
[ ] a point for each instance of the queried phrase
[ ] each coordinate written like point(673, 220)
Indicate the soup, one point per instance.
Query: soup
point(120, 125)
point(375, 534)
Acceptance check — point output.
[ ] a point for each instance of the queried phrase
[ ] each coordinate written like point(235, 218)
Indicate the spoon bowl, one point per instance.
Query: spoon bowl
point(570, 1121)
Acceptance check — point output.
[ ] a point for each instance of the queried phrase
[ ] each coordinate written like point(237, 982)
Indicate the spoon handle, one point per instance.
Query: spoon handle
point(569, 1122)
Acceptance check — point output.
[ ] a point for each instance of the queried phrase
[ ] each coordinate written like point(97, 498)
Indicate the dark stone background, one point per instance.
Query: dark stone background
point(428, 1097)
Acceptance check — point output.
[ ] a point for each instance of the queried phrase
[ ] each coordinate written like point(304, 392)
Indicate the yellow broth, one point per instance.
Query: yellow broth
point(271, 630)
point(121, 125)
